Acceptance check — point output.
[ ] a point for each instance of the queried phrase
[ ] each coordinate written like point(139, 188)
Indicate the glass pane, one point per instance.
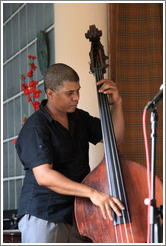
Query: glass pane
point(4, 83)
point(5, 195)
point(15, 33)
point(15, 6)
point(25, 107)
point(23, 62)
point(31, 21)
point(16, 75)
point(23, 28)
point(11, 161)
point(9, 80)
point(12, 194)
point(39, 17)
point(7, 11)
point(17, 117)
point(10, 119)
point(8, 39)
point(5, 160)
point(5, 121)
point(48, 14)
point(4, 44)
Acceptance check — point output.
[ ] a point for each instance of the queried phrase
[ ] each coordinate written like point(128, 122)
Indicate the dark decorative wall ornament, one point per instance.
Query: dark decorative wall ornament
point(42, 51)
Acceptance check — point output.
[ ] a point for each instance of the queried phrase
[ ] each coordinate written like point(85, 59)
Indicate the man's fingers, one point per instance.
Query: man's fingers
point(115, 208)
point(109, 211)
point(116, 205)
point(107, 203)
point(120, 205)
point(103, 210)
point(107, 88)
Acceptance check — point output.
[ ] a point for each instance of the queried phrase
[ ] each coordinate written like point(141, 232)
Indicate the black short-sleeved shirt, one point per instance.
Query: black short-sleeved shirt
point(44, 140)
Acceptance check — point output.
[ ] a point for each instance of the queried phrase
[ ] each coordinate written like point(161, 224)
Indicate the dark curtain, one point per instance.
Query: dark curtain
point(136, 64)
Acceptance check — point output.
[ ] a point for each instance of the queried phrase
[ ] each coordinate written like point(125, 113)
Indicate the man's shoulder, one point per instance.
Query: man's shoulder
point(36, 121)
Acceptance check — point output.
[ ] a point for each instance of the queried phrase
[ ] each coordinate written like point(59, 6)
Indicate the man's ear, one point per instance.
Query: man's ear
point(50, 93)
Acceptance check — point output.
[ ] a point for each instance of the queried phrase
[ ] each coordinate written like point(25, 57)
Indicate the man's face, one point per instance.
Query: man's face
point(66, 97)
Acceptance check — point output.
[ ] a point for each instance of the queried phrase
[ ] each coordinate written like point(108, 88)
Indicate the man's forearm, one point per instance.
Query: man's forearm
point(57, 182)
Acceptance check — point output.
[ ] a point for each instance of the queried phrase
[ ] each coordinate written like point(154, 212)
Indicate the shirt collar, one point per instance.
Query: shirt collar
point(71, 116)
point(43, 110)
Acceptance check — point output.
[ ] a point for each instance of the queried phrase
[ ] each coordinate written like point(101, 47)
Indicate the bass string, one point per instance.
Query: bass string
point(106, 121)
point(116, 161)
point(107, 156)
point(108, 143)
point(108, 127)
point(116, 165)
point(106, 146)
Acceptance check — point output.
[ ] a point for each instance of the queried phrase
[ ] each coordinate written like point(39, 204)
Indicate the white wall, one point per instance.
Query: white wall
point(72, 21)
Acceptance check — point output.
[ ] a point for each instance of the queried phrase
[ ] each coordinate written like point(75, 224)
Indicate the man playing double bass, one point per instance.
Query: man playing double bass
point(53, 146)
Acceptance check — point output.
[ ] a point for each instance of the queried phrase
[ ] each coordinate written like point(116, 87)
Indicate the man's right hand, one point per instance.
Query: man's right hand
point(106, 203)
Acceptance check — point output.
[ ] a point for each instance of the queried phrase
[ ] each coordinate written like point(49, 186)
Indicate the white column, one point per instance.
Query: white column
point(72, 20)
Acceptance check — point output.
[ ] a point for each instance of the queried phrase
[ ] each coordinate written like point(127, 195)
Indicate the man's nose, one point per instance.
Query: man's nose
point(76, 96)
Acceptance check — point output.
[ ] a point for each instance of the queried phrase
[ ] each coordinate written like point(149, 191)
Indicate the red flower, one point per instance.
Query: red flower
point(32, 89)
point(14, 141)
point(33, 83)
point(31, 57)
point(33, 67)
point(28, 99)
point(36, 94)
point(36, 105)
point(24, 119)
point(24, 86)
point(30, 73)
point(26, 92)
point(23, 76)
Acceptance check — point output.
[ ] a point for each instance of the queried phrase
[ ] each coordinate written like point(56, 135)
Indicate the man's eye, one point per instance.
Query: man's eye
point(70, 93)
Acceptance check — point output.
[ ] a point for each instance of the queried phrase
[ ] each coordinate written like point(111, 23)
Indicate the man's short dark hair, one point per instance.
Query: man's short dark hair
point(57, 74)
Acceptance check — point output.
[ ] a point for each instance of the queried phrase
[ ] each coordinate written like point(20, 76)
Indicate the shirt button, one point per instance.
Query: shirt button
point(40, 146)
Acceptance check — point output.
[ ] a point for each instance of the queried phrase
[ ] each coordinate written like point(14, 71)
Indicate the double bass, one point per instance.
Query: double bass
point(115, 175)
